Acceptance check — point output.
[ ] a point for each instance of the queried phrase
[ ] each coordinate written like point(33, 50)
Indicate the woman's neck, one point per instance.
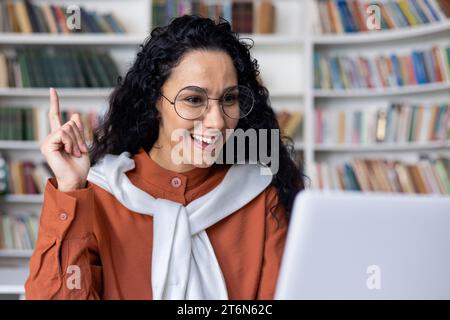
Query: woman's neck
point(164, 160)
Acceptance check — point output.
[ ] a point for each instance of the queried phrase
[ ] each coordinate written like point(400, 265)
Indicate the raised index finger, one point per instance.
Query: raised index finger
point(53, 114)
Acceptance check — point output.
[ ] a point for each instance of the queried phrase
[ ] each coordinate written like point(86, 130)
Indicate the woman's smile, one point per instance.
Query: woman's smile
point(204, 143)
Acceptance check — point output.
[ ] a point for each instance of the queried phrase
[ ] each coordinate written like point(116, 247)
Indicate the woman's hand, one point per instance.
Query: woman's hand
point(65, 149)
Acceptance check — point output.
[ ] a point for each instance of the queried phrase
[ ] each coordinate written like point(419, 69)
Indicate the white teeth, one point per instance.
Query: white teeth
point(200, 138)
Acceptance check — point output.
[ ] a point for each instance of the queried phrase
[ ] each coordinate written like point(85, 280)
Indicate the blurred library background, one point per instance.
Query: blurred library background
point(362, 88)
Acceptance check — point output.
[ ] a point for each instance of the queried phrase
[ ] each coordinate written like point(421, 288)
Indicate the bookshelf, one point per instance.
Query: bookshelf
point(286, 59)
point(135, 15)
point(369, 44)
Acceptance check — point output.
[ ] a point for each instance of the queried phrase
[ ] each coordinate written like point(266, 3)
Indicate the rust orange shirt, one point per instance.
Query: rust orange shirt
point(89, 233)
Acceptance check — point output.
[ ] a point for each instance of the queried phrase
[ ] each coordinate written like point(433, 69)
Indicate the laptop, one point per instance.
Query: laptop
point(353, 245)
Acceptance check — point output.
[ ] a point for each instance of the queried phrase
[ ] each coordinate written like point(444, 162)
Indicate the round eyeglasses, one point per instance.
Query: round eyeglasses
point(191, 102)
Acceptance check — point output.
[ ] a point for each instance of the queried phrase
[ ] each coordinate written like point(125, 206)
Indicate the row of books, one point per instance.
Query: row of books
point(19, 123)
point(57, 68)
point(347, 16)
point(22, 123)
point(90, 121)
point(290, 123)
point(400, 122)
point(25, 177)
point(394, 70)
point(244, 16)
point(3, 175)
point(18, 231)
point(427, 176)
point(25, 16)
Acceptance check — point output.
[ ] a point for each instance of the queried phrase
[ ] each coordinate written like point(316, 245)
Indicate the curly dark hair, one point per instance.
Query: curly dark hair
point(132, 120)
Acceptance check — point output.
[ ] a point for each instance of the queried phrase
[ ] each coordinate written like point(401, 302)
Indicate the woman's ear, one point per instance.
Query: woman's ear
point(158, 107)
point(158, 104)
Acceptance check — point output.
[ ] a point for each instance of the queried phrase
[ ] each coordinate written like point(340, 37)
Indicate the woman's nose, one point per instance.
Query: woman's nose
point(214, 117)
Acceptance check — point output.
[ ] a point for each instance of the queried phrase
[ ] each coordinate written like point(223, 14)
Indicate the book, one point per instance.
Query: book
point(18, 230)
point(349, 16)
point(59, 67)
point(336, 71)
point(427, 176)
point(396, 123)
point(244, 16)
point(25, 16)
point(3, 175)
point(266, 18)
point(4, 83)
point(21, 177)
point(290, 123)
point(18, 123)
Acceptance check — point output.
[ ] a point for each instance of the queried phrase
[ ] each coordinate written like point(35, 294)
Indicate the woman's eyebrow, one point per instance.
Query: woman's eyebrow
point(199, 89)
point(196, 88)
point(224, 90)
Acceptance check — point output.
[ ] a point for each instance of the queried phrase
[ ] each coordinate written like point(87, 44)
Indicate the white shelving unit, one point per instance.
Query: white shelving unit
point(62, 92)
point(75, 39)
point(18, 145)
point(380, 92)
point(286, 63)
point(22, 198)
point(383, 35)
point(15, 253)
point(384, 147)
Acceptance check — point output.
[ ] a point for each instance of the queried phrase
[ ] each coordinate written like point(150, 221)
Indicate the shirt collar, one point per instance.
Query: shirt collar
point(179, 183)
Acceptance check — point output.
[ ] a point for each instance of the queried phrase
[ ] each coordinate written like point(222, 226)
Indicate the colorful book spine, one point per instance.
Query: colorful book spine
point(348, 16)
point(244, 16)
point(398, 123)
point(340, 72)
point(428, 176)
point(27, 16)
point(18, 231)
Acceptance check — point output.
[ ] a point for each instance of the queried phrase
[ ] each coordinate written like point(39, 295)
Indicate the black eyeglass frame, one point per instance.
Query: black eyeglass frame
point(209, 98)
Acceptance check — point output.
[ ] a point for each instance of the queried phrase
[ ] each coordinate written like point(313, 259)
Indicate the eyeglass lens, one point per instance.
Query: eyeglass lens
point(191, 102)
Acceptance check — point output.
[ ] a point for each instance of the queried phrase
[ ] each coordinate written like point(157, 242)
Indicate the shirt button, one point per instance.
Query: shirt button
point(176, 182)
point(63, 216)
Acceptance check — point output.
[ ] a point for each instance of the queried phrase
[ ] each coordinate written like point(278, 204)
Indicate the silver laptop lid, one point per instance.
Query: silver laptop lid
point(352, 245)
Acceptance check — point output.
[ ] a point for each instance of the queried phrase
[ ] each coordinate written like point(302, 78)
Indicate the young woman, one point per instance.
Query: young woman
point(131, 218)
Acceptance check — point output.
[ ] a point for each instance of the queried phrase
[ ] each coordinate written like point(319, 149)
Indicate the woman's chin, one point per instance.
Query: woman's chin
point(203, 165)
point(202, 158)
